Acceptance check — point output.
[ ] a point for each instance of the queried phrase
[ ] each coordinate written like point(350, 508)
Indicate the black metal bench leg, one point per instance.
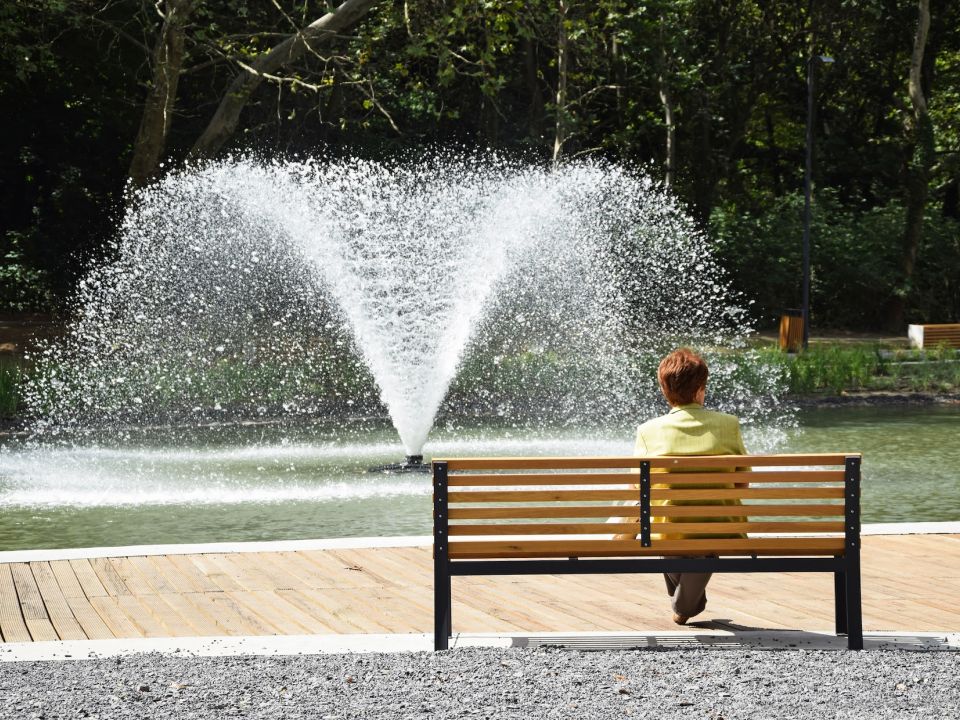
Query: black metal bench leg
point(851, 571)
point(442, 620)
point(840, 602)
point(854, 611)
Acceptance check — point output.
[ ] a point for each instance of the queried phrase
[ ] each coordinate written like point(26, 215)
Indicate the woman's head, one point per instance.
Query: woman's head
point(683, 377)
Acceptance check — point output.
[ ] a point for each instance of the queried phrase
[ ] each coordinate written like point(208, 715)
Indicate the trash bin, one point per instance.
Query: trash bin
point(791, 331)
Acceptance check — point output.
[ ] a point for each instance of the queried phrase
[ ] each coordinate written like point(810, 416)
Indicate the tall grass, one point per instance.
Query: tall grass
point(839, 368)
point(11, 377)
point(832, 368)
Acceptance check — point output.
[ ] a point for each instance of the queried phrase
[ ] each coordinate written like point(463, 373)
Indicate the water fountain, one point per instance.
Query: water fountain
point(459, 286)
point(246, 279)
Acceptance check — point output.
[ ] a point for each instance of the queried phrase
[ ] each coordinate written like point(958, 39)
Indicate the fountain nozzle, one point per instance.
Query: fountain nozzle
point(411, 464)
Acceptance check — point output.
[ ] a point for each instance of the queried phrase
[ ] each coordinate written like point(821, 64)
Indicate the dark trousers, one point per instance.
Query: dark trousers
point(688, 592)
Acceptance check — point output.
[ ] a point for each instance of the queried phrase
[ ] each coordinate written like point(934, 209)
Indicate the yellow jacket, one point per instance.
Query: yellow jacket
point(691, 430)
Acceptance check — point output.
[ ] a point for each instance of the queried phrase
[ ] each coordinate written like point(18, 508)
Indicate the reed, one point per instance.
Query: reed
point(11, 378)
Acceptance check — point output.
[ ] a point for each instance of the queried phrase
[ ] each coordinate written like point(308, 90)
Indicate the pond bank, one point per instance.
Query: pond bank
point(874, 398)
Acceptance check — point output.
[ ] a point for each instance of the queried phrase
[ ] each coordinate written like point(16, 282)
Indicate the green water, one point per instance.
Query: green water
point(307, 481)
point(911, 457)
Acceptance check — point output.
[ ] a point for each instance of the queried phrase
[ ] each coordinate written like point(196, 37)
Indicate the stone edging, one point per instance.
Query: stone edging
point(356, 543)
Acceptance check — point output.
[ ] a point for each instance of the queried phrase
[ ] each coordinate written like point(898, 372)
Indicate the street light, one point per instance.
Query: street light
point(807, 182)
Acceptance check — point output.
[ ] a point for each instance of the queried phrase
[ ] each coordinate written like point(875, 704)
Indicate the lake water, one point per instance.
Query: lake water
point(300, 481)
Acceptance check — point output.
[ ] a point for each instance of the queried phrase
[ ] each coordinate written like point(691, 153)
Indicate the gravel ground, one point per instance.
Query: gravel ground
point(487, 683)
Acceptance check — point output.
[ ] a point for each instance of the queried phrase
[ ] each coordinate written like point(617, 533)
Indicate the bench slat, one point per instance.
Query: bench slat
point(674, 478)
point(484, 496)
point(779, 493)
point(779, 476)
point(787, 493)
point(493, 480)
point(574, 511)
point(626, 548)
point(809, 526)
point(585, 463)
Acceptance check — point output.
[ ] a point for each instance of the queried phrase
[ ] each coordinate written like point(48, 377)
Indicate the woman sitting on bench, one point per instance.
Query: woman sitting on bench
point(688, 429)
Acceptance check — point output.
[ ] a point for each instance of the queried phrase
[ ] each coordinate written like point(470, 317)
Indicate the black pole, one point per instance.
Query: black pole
point(807, 182)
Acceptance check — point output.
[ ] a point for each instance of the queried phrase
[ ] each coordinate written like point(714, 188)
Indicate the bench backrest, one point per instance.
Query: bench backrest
point(934, 335)
point(930, 336)
point(501, 507)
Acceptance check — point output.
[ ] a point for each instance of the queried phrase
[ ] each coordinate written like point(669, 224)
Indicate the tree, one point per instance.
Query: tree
point(224, 121)
point(919, 131)
point(158, 107)
point(563, 55)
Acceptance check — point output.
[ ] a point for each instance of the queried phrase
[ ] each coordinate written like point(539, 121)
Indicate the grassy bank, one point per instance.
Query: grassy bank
point(837, 368)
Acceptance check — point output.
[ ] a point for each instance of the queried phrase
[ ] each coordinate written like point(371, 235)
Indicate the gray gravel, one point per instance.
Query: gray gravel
point(486, 683)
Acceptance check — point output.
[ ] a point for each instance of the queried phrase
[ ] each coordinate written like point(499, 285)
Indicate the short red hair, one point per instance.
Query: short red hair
point(682, 375)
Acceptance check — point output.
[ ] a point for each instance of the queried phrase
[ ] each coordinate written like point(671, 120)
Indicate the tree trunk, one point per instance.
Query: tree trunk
point(535, 107)
point(705, 175)
point(159, 105)
point(225, 119)
point(919, 129)
point(563, 57)
point(666, 98)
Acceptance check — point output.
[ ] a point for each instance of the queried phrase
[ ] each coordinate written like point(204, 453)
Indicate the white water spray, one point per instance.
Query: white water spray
point(258, 289)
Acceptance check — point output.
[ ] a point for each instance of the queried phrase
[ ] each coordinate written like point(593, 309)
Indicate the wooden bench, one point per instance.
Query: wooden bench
point(930, 336)
point(527, 516)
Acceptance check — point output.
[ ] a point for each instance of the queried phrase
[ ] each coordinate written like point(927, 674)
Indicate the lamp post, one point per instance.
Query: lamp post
point(807, 183)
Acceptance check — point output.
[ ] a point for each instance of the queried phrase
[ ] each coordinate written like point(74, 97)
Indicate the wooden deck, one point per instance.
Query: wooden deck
point(909, 583)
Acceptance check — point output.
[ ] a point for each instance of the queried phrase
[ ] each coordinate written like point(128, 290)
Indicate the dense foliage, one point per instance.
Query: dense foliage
point(709, 96)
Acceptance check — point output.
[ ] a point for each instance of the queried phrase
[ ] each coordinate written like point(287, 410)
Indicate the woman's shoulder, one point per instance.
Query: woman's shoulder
point(654, 424)
point(720, 418)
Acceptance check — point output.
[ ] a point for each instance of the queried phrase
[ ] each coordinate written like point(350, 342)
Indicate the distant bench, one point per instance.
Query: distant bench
point(930, 336)
point(552, 516)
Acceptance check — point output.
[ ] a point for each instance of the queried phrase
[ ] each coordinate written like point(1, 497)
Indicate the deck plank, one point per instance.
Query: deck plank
point(231, 602)
point(342, 573)
point(329, 620)
point(269, 574)
point(292, 612)
point(31, 603)
point(243, 569)
point(59, 611)
point(192, 573)
point(87, 577)
point(67, 579)
point(208, 568)
point(270, 611)
point(281, 570)
point(107, 575)
point(93, 625)
point(202, 623)
point(140, 615)
point(155, 579)
point(338, 609)
point(114, 618)
point(172, 576)
point(135, 583)
point(308, 573)
point(174, 624)
point(13, 627)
